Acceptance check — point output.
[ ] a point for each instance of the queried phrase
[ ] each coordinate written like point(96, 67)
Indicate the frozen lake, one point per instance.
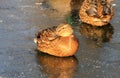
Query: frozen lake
point(21, 19)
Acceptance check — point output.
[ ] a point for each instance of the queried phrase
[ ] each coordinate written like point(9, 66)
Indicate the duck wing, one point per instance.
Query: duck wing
point(92, 12)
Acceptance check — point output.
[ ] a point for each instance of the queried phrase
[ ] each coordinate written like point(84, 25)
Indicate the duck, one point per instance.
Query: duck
point(96, 12)
point(57, 41)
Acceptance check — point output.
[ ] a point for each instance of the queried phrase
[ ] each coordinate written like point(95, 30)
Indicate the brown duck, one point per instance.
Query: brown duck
point(57, 41)
point(96, 12)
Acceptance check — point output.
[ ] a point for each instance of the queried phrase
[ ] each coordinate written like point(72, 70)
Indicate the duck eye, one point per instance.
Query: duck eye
point(38, 36)
point(103, 2)
point(63, 28)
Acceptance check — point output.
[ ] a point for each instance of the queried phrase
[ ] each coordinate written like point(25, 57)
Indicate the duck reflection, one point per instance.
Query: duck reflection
point(56, 67)
point(76, 4)
point(73, 17)
point(99, 34)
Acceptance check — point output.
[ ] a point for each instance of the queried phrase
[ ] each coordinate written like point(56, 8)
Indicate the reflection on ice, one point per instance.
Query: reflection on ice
point(99, 34)
point(56, 67)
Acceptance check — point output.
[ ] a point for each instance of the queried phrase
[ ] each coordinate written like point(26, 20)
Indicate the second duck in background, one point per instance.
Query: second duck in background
point(96, 12)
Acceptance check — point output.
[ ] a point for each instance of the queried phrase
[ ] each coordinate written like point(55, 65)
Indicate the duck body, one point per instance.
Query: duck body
point(96, 12)
point(57, 41)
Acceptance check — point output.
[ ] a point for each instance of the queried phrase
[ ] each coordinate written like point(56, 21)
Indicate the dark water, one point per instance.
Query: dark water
point(98, 55)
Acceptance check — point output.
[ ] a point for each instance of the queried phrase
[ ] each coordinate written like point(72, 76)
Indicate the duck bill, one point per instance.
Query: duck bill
point(35, 40)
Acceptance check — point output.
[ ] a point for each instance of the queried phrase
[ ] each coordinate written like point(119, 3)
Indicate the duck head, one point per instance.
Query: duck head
point(106, 7)
point(64, 30)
